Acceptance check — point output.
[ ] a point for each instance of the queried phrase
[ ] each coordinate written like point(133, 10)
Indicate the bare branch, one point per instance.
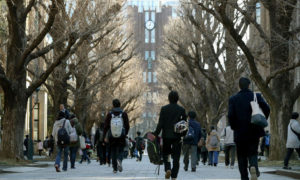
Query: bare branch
point(28, 9)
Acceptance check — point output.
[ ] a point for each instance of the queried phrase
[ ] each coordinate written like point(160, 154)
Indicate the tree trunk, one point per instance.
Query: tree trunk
point(13, 124)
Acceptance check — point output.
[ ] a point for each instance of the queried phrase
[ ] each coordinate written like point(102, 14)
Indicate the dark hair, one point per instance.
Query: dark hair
point(212, 127)
point(116, 103)
point(244, 83)
point(61, 115)
point(173, 97)
point(295, 115)
point(192, 114)
point(72, 116)
point(138, 133)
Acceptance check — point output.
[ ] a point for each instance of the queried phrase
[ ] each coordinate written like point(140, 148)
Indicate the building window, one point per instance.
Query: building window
point(146, 55)
point(154, 77)
point(140, 8)
point(144, 115)
point(153, 16)
point(144, 76)
point(149, 77)
point(147, 34)
point(146, 16)
point(149, 97)
point(153, 36)
point(149, 63)
point(153, 55)
point(174, 12)
point(149, 115)
point(258, 11)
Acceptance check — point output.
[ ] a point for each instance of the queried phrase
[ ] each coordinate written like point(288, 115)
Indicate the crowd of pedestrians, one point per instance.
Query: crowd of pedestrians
point(181, 135)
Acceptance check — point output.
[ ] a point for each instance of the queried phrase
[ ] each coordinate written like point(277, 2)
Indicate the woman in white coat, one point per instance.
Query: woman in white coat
point(293, 143)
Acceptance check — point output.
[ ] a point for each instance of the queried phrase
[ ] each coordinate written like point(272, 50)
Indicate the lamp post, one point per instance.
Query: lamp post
point(30, 142)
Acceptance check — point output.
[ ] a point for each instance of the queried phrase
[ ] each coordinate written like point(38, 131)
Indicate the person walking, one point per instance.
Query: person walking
point(190, 142)
point(64, 110)
point(50, 145)
point(117, 127)
point(246, 134)
point(40, 147)
point(74, 139)
point(25, 143)
point(202, 146)
point(132, 145)
point(213, 147)
point(169, 116)
point(266, 144)
point(293, 142)
point(140, 146)
point(100, 144)
point(61, 131)
point(229, 146)
point(84, 155)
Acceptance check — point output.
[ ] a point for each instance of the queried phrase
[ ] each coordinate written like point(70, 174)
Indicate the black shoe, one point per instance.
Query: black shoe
point(185, 168)
point(193, 169)
point(215, 164)
point(286, 167)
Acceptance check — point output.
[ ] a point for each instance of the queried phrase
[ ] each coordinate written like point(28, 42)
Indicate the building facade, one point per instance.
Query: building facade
point(149, 18)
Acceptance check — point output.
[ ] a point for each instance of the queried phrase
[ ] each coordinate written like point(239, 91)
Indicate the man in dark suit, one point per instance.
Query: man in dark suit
point(169, 116)
point(246, 135)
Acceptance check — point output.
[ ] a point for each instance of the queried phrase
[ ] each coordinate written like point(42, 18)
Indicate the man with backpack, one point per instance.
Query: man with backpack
point(61, 133)
point(100, 144)
point(116, 128)
point(74, 139)
point(190, 142)
point(246, 134)
point(169, 116)
point(140, 146)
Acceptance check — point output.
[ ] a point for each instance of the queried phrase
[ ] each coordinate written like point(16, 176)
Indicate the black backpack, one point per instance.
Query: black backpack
point(140, 143)
point(63, 138)
point(153, 148)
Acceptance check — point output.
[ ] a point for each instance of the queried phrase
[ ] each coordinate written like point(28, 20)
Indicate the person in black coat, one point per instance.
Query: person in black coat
point(169, 116)
point(246, 135)
point(116, 144)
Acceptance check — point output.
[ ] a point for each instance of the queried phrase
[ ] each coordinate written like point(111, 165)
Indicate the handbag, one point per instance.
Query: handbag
point(258, 118)
point(82, 142)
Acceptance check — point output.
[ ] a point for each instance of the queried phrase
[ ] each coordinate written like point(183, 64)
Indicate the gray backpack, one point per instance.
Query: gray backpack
point(214, 142)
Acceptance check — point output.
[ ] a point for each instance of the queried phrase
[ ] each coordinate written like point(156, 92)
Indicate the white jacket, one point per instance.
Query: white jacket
point(227, 133)
point(58, 124)
point(292, 139)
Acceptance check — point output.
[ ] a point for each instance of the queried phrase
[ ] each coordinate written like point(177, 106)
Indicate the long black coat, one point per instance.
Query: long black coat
point(239, 116)
point(168, 117)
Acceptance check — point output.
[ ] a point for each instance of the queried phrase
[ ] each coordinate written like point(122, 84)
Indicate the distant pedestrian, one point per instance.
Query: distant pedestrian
point(266, 144)
point(74, 139)
point(126, 148)
point(246, 134)
point(132, 145)
point(40, 147)
point(64, 110)
point(213, 147)
point(100, 144)
point(117, 127)
point(190, 142)
point(84, 156)
point(202, 145)
point(229, 146)
point(140, 146)
point(293, 142)
point(61, 133)
point(170, 116)
point(51, 145)
point(25, 143)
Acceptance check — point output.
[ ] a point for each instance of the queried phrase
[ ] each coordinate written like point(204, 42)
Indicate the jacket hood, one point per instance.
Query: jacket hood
point(75, 120)
point(118, 109)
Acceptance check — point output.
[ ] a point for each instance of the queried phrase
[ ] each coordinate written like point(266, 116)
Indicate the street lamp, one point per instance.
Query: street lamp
point(30, 142)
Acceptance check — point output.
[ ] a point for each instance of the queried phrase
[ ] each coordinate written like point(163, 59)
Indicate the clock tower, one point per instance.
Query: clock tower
point(149, 18)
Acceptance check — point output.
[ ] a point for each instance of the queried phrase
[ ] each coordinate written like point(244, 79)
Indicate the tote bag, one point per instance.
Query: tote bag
point(258, 117)
point(82, 142)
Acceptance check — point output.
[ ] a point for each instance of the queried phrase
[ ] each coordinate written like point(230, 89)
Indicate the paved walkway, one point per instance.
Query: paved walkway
point(132, 171)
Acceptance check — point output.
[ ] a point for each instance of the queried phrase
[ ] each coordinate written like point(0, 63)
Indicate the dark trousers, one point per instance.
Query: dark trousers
point(229, 154)
point(84, 156)
point(108, 153)
point(116, 154)
point(288, 155)
point(247, 151)
point(172, 147)
point(140, 154)
point(204, 155)
point(73, 151)
point(101, 153)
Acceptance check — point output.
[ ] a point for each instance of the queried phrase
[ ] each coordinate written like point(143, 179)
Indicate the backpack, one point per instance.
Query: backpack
point(45, 144)
point(116, 126)
point(214, 142)
point(140, 143)
point(73, 136)
point(63, 137)
point(189, 137)
point(153, 148)
point(267, 140)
